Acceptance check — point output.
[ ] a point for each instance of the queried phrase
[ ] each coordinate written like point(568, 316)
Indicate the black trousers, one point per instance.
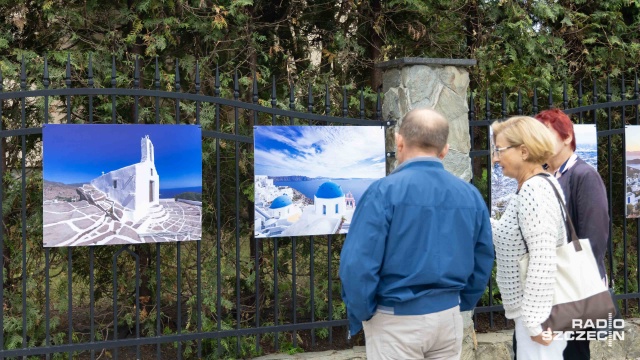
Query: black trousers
point(575, 350)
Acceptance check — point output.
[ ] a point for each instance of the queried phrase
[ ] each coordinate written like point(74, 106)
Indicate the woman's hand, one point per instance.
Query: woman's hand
point(544, 338)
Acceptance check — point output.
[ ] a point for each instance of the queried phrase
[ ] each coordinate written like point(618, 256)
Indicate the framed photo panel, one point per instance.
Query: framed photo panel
point(121, 184)
point(309, 179)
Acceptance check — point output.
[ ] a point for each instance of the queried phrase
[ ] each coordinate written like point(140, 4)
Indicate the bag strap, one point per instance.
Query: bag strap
point(571, 231)
point(569, 228)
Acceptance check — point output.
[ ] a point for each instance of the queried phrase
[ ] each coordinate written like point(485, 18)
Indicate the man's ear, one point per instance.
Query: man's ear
point(399, 143)
point(444, 152)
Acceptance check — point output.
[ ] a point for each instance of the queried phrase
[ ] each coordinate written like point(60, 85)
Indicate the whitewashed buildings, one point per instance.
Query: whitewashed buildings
point(136, 187)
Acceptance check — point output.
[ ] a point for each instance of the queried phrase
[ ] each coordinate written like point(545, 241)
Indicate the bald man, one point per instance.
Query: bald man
point(419, 250)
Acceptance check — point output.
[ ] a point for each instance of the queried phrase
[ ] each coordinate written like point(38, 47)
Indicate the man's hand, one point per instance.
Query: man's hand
point(545, 338)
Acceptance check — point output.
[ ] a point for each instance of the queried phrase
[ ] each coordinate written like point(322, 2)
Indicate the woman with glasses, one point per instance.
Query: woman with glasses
point(533, 223)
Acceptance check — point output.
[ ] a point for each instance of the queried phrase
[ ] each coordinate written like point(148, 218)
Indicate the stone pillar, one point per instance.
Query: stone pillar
point(441, 84)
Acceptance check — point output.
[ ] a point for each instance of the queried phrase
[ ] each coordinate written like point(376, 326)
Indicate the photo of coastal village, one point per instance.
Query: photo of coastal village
point(309, 179)
point(504, 188)
point(121, 184)
point(632, 141)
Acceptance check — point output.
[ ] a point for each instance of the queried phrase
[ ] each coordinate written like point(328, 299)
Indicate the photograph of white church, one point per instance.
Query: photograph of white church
point(309, 179)
point(632, 168)
point(121, 184)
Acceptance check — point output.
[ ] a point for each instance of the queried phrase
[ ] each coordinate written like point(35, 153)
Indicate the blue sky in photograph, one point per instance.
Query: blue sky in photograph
point(586, 134)
point(320, 151)
point(76, 154)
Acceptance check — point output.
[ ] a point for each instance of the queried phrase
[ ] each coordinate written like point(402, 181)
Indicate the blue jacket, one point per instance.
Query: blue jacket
point(419, 242)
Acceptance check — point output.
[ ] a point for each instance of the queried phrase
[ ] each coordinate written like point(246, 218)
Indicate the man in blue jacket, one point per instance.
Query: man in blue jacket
point(419, 250)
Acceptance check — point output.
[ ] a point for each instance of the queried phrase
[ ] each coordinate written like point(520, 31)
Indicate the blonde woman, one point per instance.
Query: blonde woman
point(533, 223)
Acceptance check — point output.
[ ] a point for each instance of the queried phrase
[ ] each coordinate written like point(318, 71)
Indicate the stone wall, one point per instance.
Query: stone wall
point(440, 84)
point(495, 346)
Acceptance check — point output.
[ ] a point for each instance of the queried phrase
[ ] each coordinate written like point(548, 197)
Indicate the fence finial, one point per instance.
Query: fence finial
point(345, 107)
point(113, 71)
point(23, 75)
point(327, 100)
point(136, 74)
point(197, 77)
point(255, 88)
point(45, 77)
point(90, 72)
point(156, 79)
point(216, 85)
point(177, 79)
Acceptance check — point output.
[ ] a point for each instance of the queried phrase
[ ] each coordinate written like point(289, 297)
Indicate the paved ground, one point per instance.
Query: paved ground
point(95, 220)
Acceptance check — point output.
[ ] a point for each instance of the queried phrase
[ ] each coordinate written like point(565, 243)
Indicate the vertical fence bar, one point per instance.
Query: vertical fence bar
point(610, 169)
point(113, 85)
point(199, 243)
point(216, 92)
point(565, 96)
point(156, 84)
point(177, 89)
point(236, 116)
point(2, 258)
point(23, 202)
point(46, 82)
point(292, 104)
point(92, 334)
point(327, 111)
point(345, 108)
point(361, 103)
point(623, 97)
point(136, 86)
point(67, 80)
point(503, 112)
point(311, 246)
point(178, 245)
point(137, 303)
point(580, 101)
point(90, 84)
point(274, 100)
point(276, 303)
point(519, 102)
point(114, 272)
point(294, 289)
point(256, 240)
point(179, 296)
point(636, 96)
point(158, 303)
point(488, 119)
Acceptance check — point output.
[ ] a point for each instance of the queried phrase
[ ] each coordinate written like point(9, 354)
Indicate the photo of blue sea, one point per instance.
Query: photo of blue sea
point(308, 188)
point(171, 193)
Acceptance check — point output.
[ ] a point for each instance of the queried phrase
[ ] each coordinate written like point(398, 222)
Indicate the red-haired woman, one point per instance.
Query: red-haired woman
point(585, 196)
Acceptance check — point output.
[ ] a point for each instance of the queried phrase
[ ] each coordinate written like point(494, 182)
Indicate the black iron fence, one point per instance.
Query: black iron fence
point(610, 110)
point(228, 295)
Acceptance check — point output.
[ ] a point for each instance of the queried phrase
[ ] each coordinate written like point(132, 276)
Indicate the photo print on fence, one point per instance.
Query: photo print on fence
point(309, 179)
point(632, 169)
point(121, 184)
point(504, 188)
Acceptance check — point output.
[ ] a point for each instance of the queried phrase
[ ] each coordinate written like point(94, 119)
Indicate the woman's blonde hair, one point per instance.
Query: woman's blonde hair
point(527, 131)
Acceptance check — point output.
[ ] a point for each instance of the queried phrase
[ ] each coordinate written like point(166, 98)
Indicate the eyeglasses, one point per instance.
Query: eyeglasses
point(497, 151)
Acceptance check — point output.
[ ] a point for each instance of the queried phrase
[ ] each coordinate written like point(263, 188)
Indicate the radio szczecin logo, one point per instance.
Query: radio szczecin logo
point(601, 329)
